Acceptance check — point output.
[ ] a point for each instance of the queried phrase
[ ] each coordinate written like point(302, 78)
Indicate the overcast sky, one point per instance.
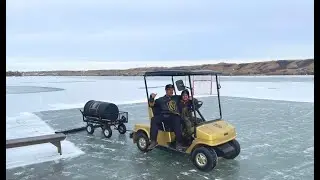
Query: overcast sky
point(105, 34)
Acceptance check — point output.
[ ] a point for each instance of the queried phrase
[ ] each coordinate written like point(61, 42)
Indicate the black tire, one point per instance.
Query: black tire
point(142, 141)
point(90, 129)
point(122, 129)
point(235, 144)
point(205, 159)
point(107, 132)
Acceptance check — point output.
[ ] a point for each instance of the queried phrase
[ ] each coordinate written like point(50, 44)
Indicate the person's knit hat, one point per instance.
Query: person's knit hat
point(169, 86)
point(185, 92)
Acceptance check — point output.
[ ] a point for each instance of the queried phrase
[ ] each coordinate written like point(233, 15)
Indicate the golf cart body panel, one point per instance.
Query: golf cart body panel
point(215, 131)
point(163, 138)
point(215, 143)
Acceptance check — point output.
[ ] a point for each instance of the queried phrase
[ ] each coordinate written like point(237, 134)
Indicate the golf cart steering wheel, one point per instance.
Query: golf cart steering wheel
point(198, 104)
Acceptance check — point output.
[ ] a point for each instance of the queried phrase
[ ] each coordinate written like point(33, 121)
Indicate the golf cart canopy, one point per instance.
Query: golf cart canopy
point(180, 73)
point(180, 84)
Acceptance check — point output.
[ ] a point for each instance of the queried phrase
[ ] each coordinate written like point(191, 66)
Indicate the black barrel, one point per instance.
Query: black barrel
point(105, 110)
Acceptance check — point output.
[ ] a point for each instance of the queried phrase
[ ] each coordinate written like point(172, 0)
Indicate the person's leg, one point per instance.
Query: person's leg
point(176, 124)
point(188, 126)
point(154, 128)
point(183, 125)
point(155, 122)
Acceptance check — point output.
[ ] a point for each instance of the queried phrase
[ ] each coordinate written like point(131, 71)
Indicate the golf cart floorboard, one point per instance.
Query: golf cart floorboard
point(172, 148)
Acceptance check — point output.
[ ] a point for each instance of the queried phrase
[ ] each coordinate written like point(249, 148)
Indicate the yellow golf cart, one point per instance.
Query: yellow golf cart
point(210, 139)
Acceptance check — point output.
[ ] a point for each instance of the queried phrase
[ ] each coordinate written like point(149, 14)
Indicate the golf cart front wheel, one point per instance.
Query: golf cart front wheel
point(142, 141)
point(235, 144)
point(205, 159)
point(107, 132)
point(122, 129)
point(90, 128)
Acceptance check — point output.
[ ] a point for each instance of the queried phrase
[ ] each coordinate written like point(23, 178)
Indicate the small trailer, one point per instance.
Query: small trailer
point(104, 115)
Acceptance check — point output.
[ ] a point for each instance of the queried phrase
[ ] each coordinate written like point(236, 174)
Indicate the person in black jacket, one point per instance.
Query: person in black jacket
point(165, 110)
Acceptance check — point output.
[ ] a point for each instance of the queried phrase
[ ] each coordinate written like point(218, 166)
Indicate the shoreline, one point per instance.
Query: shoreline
point(258, 75)
point(266, 68)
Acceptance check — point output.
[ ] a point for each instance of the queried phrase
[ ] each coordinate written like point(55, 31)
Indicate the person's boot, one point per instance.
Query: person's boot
point(152, 145)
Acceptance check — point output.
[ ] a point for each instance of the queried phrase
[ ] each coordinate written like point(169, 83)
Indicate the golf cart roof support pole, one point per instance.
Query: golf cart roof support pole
point(145, 84)
point(194, 112)
point(175, 93)
point(218, 92)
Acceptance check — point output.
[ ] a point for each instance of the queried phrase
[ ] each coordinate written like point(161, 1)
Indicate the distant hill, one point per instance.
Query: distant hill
point(277, 67)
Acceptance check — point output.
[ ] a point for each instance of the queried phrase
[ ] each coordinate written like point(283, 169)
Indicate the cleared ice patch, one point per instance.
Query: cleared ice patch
point(205, 177)
point(258, 146)
point(18, 173)
point(118, 158)
point(185, 173)
point(109, 149)
point(176, 163)
point(28, 125)
point(29, 89)
point(243, 157)
point(114, 141)
point(309, 150)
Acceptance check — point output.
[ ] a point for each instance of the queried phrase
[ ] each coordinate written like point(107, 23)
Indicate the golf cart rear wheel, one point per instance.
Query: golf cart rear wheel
point(90, 128)
point(235, 144)
point(205, 159)
point(107, 132)
point(142, 141)
point(122, 129)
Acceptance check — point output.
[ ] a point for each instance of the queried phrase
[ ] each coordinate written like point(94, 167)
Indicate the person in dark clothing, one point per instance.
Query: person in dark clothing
point(166, 111)
point(185, 108)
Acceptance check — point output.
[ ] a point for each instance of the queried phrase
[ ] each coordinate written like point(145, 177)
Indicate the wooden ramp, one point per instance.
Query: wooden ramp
point(54, 139)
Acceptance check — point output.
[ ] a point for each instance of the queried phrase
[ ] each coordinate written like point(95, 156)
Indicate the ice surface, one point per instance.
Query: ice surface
point(124, 90)
point(276, 139)
point(74, 92)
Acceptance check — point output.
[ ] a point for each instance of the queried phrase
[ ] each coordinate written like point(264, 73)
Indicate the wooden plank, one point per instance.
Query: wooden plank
point(34, 140)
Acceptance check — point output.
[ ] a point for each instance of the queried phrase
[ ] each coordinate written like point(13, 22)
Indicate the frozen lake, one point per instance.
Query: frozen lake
point(267, 112)
point(32, 94)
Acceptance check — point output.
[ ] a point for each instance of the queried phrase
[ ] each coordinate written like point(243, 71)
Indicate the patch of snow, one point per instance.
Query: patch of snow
point(28, 125)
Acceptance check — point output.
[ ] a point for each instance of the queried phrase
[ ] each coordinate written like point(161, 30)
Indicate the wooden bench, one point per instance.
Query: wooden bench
point(54, 139)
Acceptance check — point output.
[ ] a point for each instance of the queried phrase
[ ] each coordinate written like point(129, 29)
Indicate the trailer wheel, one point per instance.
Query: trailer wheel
point(90, 128)
point(122, 129)
point(107, 132)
